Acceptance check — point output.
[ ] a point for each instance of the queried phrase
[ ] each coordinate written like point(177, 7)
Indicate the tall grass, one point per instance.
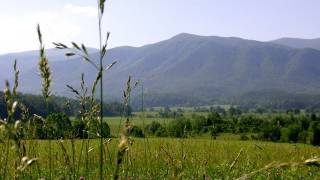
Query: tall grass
point(82, 52)
point(45, 74)
point(135, 158)
point(125, 140)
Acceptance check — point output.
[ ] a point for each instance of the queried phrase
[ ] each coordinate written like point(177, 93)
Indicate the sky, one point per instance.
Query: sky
point(140, 22)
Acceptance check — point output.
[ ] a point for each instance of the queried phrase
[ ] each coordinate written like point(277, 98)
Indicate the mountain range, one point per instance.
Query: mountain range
point(185, 69)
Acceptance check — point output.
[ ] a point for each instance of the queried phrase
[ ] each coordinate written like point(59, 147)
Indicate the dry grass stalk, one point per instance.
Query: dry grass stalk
point(66, 156)
point(175, 164)
point(26, 162)
point(125, 140)
point(315, 161)
point(236, 159)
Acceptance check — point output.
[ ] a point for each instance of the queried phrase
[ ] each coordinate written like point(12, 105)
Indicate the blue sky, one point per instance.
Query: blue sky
point(139, 22)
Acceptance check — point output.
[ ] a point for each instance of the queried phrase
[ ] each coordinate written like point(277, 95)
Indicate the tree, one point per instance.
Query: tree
point(79, 129)
point(233, 111)
point(179, 127)
point(153, 127)
point(95, 127)
point(58, 125)
point(199, 124)
point(136, 131)
point(294, 131)
point(270, 132)
point(315, 138)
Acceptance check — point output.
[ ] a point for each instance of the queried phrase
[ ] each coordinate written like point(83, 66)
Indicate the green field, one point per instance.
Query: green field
point(199, 156)
point(168, 158)
point(116, 122)
point(136, 120)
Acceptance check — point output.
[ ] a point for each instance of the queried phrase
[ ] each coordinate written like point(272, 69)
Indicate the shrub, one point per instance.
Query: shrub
point(179, 127)
point(156, 129)
point(153, 127)
point(58, 125)
point(161, 132)
point(315, 138)
point(198, 124)
point(284, 135)
point(244, 137)
point(94, 127)
point(79, 129)
point(38, 126)
point(136, 131)
point(214, 118)
point(254, 137)
point(270, 132)
point(303, 136)
point(214, 132)
point(294, 130)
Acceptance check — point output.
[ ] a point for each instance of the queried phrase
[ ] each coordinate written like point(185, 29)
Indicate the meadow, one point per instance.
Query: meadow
point(140, 119)
point(171, 158)
point(197, 157)
point(163, 143)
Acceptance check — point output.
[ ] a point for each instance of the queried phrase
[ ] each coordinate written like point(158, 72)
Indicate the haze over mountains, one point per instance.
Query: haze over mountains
point(187, 69)
point(299, 43)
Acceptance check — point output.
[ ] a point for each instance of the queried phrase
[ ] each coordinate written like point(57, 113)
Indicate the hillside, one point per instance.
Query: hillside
point(299, 43)
point(188, 69)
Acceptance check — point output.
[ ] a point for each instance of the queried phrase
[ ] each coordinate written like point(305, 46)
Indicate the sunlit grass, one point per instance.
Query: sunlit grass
point(186, 158)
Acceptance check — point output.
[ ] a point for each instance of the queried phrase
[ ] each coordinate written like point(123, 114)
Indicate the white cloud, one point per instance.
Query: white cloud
point(19, 33)
point(56, 26)
point(63, 24)
point(84, 10)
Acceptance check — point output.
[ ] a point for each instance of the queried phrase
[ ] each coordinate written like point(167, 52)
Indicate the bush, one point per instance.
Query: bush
point(136, 131)
point(303, 136)
point(294, 130)
point(38, 126)
point(161, 132)
point(214, 132)
point(270, 132)
point(58, 125)
point(244, 137)
point(315, 138)
point(214, 118)
point(284, 135)
point(95, 128)
point(179, 127)
point(198, 124)
point(79, 129)
point(254, 137)
point(153, 127)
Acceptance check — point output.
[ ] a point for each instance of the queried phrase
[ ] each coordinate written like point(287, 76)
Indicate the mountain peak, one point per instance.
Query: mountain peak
point(184, 35)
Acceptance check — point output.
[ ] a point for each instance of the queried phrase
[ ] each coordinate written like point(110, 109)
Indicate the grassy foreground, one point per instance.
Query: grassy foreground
point(167, 158)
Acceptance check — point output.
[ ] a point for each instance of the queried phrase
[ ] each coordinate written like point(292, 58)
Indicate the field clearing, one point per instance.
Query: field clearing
point(167, 158)
point(149, 114)
point(116, 122)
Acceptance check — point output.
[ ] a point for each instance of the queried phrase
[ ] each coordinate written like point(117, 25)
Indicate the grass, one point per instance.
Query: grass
point(114, 122)
point(134, 158)
point(176, 158)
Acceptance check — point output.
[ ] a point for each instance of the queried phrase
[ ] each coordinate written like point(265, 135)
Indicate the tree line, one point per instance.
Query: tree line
point(302, 128)
point(36, 105)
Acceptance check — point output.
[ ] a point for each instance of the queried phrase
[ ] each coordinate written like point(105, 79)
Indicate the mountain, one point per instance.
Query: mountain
point(28, 61)
point(189, 69)
point(299, 43)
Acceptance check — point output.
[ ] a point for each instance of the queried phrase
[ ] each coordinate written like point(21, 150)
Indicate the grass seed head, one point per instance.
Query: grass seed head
point(44, 68)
